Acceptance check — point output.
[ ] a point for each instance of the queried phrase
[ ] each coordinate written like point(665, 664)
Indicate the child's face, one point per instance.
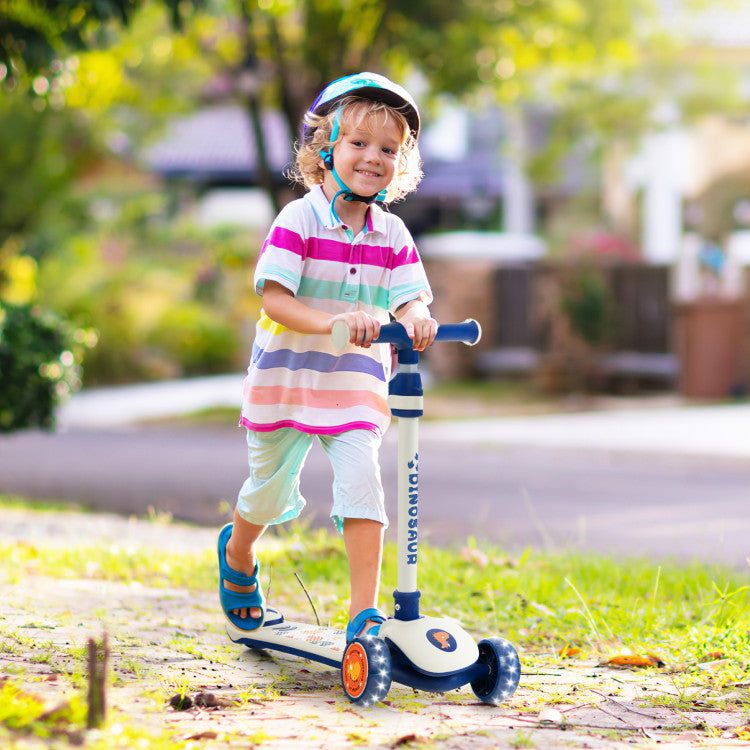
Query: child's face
point(366, 155)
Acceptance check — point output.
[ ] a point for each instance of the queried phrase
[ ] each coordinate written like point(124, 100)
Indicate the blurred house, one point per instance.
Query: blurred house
point(472, 180)
point(212, 155)
point(696, 177)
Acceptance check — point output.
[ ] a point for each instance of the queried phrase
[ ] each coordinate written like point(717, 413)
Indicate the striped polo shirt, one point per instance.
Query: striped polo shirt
point(300, 380)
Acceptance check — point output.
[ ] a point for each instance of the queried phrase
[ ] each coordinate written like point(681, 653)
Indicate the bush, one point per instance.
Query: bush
point(167, 304)
point(40, 364)
point(198, 339)
point(587, 303)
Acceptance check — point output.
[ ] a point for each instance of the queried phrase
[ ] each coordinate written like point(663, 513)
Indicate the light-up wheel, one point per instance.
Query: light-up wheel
point(503, 670)
point(366, 670)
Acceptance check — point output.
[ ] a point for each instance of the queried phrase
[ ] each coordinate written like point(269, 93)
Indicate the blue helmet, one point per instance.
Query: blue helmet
point(367, 86)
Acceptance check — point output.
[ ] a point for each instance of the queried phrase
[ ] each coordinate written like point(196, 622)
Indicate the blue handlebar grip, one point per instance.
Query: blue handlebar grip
point(468, 332)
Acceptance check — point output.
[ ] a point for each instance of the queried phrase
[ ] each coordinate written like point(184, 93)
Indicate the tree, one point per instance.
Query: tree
point(46, 146)
point(482, 50)
point(35, 35)
point(45, 149)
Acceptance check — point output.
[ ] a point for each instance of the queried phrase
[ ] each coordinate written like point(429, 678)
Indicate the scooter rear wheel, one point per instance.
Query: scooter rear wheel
point(366, 670)
point(504, 673)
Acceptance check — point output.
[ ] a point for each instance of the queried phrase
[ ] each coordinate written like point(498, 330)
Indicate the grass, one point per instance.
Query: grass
point(15, 502)
point(110, 562)
point(22, 711)
point(63, 725)
point(541, 601)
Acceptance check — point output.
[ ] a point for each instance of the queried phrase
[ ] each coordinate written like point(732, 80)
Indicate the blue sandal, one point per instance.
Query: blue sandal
point(355, 626)
point(234, 600)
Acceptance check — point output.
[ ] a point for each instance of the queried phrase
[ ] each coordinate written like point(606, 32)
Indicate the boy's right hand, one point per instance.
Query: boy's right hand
point(363, 328)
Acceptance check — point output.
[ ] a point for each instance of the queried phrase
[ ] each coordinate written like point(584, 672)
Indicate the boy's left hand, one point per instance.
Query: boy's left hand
point(419, 324)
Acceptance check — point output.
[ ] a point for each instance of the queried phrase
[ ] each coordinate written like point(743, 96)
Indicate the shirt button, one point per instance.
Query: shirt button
point(352, 270)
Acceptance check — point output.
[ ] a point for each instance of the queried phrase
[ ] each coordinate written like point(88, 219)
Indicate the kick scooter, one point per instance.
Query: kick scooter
point(426, 653)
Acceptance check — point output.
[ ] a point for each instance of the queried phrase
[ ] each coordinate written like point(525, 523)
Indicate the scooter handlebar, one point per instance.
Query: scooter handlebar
point(468, 332)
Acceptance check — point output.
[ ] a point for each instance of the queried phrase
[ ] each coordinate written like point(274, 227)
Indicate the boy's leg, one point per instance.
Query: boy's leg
point(269, 495)
point(359, 510)
point(363, 539)
point(240, 556)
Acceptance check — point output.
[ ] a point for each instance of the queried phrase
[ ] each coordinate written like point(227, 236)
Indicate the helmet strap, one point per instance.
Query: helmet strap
point(349, 195)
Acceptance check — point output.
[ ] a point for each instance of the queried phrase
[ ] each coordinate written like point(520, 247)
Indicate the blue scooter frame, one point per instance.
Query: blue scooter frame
point(426, 653)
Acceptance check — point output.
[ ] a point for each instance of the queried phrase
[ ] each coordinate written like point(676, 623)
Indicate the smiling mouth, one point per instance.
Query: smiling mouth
point(367, 173)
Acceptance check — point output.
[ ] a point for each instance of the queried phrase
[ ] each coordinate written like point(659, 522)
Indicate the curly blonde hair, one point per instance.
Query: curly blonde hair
point(353, 112)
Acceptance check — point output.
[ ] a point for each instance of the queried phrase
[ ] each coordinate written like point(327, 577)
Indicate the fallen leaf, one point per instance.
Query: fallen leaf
point(634, 660)
point(741, 733)
point(208, 734)
point(712, 656)
point(474, 556)
point(407, 739)
point(569, 651)
point(209, 700)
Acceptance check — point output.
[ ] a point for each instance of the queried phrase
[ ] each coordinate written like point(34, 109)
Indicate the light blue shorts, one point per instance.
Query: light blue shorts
point(271, 494)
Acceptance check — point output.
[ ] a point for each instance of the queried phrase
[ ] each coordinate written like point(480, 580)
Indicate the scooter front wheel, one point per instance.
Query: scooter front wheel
point(366, 670)
point(504, 670)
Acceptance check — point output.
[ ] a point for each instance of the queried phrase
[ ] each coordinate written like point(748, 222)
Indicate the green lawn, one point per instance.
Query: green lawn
point(541, 601)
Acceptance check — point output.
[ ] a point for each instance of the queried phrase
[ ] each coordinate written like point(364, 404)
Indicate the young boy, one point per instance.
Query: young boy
point(332, 255)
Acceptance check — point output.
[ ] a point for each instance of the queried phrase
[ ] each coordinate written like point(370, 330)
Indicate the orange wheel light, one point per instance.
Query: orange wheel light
point(354, 670)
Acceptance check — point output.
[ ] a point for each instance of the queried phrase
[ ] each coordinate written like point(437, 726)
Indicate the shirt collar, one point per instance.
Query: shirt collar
point(322, 208)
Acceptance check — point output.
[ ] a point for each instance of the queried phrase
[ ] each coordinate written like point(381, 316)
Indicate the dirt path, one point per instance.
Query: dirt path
point(164, 641)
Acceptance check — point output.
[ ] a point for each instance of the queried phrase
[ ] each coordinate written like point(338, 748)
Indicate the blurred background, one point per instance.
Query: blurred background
point(586, 192)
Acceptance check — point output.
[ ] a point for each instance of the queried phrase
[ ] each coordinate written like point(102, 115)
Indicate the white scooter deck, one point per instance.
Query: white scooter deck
point(316, 642)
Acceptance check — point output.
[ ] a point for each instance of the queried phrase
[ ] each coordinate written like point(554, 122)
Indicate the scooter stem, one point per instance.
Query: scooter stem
point(405, 400)
point(408, 502)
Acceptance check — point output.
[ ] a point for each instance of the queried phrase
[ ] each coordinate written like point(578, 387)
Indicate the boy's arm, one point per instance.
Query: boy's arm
point(420, 325)
point(283, 307)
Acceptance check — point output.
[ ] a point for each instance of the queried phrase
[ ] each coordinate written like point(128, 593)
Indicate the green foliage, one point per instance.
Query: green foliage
point(40, 358)
point(34, 33)
point(587, 303)
point(22, 711)
point(151, 567)
point(43, 151)
point(165, 299)
point(495, 48)
point(197, 337)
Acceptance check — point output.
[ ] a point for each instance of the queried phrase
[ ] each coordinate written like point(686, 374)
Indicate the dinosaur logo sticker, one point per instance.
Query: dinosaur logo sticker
point(441, 639)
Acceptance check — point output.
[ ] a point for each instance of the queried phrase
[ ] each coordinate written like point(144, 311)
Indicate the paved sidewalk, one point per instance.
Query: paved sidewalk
point(113, 406)
point(721, 430)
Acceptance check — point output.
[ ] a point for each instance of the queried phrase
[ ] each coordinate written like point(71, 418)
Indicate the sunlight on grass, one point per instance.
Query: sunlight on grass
point(15, 502)
point(542, 602)
point(21, 710)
